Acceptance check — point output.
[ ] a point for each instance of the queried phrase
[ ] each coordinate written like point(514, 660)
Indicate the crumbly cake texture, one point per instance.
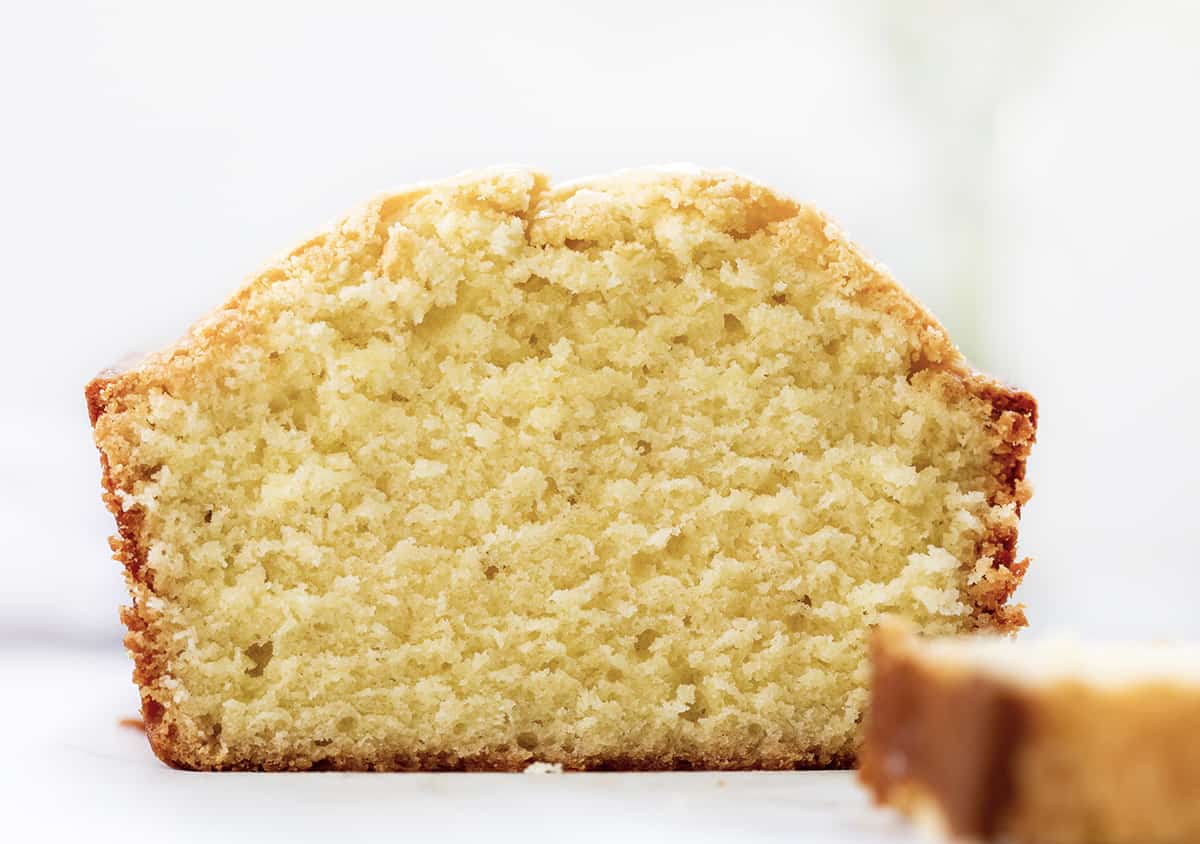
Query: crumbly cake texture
point(613, 474)
point(1036, 744)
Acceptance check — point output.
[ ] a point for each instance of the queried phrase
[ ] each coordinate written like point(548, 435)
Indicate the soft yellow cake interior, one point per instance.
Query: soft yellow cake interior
point(613, 474)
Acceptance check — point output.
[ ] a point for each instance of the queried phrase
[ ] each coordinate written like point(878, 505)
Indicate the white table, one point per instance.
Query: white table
point(73, 772)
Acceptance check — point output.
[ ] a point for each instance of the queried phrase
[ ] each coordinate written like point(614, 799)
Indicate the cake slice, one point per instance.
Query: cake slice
point(986, 739)
point(613, 474)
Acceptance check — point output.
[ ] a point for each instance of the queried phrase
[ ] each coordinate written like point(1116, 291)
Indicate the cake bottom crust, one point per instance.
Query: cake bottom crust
point(193, 759)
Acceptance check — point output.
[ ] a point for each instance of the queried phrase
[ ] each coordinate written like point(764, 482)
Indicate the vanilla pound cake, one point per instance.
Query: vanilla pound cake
point(985, 739)
point(610, 474)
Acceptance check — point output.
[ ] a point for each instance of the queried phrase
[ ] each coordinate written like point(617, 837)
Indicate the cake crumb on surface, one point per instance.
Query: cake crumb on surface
point(544, 768)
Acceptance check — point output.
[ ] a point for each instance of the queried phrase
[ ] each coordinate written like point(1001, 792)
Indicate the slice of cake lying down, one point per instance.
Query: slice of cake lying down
point(986, 739)
point(610, 474)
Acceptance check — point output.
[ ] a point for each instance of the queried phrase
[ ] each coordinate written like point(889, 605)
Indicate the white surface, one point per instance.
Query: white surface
point(74, 773)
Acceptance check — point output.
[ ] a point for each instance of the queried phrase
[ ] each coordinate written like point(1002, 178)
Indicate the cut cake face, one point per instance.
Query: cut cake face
point(614, 474)
point(1054, 742)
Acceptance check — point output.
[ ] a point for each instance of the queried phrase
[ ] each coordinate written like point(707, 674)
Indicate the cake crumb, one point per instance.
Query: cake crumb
point(460, 484)
point(544, 768)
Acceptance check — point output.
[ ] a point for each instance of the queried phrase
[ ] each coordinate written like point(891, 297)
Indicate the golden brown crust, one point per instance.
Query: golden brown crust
point(1014, 417)
point(748, 208)
point(178, 756)
point(149, 655)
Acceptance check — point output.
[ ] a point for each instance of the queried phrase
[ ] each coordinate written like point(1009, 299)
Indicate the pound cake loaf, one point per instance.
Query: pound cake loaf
point(986, 739)
point(609, 474)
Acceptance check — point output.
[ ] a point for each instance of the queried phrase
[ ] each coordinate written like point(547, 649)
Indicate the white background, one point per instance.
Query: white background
point(1028, 169)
